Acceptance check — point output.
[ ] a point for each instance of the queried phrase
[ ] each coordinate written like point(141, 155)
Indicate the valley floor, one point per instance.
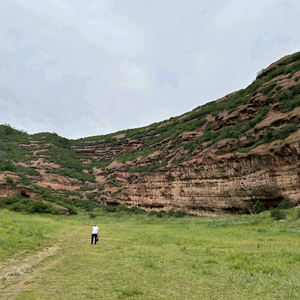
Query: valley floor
point(140, 257)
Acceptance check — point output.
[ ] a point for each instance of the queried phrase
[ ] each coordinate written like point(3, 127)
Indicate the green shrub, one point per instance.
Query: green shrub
point(152, 213)
point(2, 202)
point(9, 166)
point(72, 193)
point(39, 207)
point(286, 203)
point(17, 207)
point(161, 213)
point(92, 216)
point(10, 181)
point(86, 188)
point(140, 211)
point(227, 132)
point(258, 207)
point(71, 209)
point(85, 204)
point(268, 89)
point(111, 209)
point(26, 201)
point(13, 199)
point(133, 209)
point(277, 214)
point(210, 127)
point(181, 159)
point(25, 180)
point(92, 196)
point(28, 171)
point(297, 213)
point(129, 156)
point(112, 177)
point(116, 184)
point(121, 209)
point(179, 214)
point(271, 135)
point(171, 213)
point(290, 99)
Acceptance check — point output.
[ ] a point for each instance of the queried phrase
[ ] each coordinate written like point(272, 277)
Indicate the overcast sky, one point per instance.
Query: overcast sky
point(89, 67)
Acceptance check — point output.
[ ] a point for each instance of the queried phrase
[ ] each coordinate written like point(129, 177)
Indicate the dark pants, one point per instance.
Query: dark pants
point(94, 235)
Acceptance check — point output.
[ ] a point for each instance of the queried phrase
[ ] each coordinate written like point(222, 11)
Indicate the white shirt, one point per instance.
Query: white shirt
point(95, 229)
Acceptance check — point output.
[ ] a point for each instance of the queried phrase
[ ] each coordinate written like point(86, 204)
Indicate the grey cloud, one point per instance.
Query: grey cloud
point(167, 76)
point(266, 41)
point(82, 70)
point(6, 95)
point(16, 35)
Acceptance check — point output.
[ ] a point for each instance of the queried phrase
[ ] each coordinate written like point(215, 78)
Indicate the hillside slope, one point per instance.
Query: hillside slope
point(218, 159)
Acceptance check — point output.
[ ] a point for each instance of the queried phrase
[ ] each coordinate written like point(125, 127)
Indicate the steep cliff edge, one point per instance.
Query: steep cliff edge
point(218, 159)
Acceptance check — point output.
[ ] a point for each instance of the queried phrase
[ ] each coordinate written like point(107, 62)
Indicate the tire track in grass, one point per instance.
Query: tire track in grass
point(16, 273)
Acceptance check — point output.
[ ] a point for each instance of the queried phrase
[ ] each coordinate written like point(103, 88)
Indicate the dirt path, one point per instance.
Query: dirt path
point(18, 273)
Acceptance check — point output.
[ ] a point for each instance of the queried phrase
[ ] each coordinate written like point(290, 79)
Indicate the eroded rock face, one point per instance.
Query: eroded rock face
point(219, 182)
point(7, 190)
point(56, 182)
point(222, 185)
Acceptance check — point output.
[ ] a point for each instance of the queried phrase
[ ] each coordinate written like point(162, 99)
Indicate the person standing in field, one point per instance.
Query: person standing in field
point(95, 230)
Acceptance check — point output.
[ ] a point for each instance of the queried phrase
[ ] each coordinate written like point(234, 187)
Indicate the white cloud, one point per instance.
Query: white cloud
point(237, 11)
point(128, 75)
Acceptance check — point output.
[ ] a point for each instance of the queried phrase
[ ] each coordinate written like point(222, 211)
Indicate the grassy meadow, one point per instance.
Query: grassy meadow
point(145, 257)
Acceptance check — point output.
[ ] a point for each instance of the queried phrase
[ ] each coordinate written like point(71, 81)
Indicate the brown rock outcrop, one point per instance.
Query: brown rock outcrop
point(57, 182)
point(60, 208)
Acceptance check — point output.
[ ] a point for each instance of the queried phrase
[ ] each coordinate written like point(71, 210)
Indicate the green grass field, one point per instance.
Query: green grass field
point(142, 257)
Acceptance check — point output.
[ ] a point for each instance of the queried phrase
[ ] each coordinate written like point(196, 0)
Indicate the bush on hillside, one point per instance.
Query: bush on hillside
point(9, 166)
point(161, 213)
point(18, 207)
point(277, 214)
point(111, 209)
point(86, 204)
point(13, 199)
point(10, 181)
point(28, 171)
point(286, 203)
point(297, 213)
point(171, 213)
point(92, 215)
point(92, 196)
point(258, 207)
point(179, 214)
point(152, 213)
point(265, 91)
point(71, 209)
point(2, 202)
point(133, 209)
point(39, 207)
